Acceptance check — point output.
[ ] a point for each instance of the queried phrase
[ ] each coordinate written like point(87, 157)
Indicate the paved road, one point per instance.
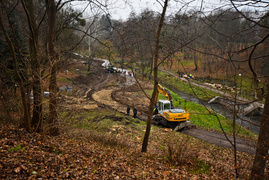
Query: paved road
point(219, 139)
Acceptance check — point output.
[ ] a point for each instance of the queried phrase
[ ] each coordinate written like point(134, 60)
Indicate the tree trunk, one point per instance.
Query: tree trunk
point(262, 155)
point(234, 128)
point(155, 69)
point(52, 56)
point(35, 65)
point(90, 60)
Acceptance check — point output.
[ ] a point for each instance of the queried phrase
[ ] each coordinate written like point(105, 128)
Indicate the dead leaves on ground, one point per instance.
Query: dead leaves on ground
point(26, 157)
point(23, 156)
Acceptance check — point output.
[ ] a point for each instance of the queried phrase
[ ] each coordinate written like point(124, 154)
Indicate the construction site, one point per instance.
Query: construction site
point(117, 91)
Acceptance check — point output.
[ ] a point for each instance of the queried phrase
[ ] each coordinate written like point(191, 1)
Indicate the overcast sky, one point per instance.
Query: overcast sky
point(120, 9)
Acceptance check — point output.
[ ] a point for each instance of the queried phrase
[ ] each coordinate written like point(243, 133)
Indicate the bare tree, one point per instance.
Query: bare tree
point(155, 71)
point(26, 115)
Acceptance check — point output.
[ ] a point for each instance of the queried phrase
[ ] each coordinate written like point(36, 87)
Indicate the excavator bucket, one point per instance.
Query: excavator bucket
point(184, 125)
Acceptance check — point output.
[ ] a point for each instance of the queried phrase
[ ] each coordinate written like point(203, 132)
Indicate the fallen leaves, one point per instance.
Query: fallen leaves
point(62, 158)
point(167, 130)
point(17, 170)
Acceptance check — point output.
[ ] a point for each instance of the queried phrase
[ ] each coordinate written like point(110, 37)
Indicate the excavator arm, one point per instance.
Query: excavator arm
point(165, 92)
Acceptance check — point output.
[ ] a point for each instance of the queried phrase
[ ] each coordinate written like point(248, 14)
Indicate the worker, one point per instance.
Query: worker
point(128, 110)
point(135, 112)
point(190, 75)
point(156, 110)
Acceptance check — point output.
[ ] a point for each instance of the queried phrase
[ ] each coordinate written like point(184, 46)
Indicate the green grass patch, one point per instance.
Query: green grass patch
point(83, 72)
point(207, 119)
point(103, 121)
point(200, 167)
point(17, 148)
point(107, 127)
point(63, 80)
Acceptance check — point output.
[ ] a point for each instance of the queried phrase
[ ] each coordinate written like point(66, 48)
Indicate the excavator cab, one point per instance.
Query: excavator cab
point(164, 105)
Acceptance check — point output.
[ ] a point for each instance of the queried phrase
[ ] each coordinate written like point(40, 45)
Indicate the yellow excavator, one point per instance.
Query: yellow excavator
point(167, 115)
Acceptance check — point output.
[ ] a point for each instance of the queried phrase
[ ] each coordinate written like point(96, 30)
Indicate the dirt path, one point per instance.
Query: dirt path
point(104, 96)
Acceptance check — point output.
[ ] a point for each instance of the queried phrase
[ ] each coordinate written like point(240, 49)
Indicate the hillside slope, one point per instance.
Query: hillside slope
point(99, 141)
point(85, 154)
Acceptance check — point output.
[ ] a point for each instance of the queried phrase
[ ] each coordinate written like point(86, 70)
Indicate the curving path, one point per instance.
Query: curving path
point(103, 96)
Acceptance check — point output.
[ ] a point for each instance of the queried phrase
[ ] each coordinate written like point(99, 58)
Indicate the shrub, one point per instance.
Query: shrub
point(180, 152)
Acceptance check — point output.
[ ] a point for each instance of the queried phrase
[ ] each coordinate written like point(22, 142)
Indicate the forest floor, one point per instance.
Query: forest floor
point(85, 154)
point(81, 153)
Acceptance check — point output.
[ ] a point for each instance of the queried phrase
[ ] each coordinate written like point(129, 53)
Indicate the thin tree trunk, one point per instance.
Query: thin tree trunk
point(90, 60)
point(155, 69)
point(171, 62)
point(234, 130)
point(26, 115)
point(52, 55)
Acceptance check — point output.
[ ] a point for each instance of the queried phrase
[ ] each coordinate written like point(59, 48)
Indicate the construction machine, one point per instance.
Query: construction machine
point(169, 116)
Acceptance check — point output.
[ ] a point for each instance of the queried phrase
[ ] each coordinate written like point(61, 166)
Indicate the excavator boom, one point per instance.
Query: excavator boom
point(165, 92)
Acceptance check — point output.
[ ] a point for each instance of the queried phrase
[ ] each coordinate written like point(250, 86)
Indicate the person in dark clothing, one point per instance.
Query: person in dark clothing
point(135, 112)
point(128, 110)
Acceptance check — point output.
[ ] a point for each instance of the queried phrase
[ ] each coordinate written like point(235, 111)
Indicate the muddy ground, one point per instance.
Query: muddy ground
point(100, 89)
